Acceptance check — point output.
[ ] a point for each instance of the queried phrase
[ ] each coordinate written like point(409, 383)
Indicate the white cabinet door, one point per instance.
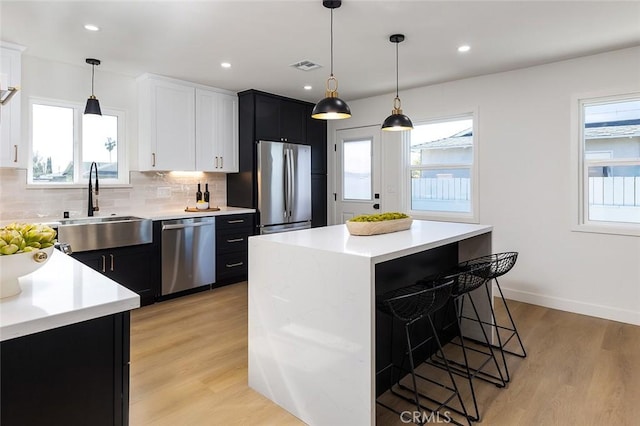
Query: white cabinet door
point(216, 131)
point(167, 126)
point(13, 152)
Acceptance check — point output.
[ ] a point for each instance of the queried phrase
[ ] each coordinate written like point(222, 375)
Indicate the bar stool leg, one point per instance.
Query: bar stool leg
point(490, 346)
point(514, 329)
point(413, 370)
point(497, 328)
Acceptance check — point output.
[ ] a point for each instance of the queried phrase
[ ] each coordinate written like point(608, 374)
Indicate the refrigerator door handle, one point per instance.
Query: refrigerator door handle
point(292, 181)
point(286, 181)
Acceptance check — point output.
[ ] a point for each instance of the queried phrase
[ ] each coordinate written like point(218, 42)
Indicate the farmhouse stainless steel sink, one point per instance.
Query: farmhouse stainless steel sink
point(95, 233)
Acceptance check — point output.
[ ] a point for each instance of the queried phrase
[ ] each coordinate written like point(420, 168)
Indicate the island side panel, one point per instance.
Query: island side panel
point(468, 249)
point(311, 332)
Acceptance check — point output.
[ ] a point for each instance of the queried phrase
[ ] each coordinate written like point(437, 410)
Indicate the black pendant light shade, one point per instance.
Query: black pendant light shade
point(331, 107)
point(397, 121)
point(93, 106)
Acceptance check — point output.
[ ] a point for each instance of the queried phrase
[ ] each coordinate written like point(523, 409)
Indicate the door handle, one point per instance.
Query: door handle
point(376, 206)
point(104, 263)
point(111, 262)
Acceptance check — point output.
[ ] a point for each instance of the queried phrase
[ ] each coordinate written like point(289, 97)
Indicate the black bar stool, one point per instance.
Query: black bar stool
point(466, 280)
point(408, 305)
point(491, 267)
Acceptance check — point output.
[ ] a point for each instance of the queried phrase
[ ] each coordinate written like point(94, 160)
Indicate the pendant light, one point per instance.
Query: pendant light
point(331, 107)
point(93, 106)
point(397, 121)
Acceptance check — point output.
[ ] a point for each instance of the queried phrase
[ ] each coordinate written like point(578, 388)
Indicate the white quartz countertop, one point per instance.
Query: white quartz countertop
point(62, 292)
point(164, 214)
point(422, 235)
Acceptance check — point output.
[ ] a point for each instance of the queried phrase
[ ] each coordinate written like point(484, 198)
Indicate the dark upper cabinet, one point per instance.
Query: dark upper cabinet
point(317, 138)
point(278, 119)
point(264, 116)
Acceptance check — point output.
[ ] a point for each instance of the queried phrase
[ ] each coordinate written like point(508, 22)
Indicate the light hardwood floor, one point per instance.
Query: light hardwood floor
point(189, 367)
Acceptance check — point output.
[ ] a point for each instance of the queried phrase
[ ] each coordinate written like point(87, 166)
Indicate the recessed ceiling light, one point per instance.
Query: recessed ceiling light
point(90, 27)
point(225, 65)
point(464, 48)
point(307, 87)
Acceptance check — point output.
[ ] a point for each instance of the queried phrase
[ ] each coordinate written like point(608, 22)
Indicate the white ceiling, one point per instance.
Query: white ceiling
point(189, 39)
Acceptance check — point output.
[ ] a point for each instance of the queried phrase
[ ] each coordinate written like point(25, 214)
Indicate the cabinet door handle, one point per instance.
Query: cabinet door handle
point(15, 153)
point(104, 263)
point(111, 262)
point(221, 162)
point(216, 166)
point(153, 159)
point(236, 221)
point(235, 240)
point(233, 265)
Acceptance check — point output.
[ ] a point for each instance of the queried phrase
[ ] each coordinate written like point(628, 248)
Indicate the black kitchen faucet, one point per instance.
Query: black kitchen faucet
point(90, 207)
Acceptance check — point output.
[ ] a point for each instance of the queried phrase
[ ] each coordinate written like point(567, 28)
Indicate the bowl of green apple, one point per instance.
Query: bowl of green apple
point(24, 248)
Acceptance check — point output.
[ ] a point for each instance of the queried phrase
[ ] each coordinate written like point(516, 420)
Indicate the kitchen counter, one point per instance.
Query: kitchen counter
point(165, 214)
point(314, 347)
point(62, 292)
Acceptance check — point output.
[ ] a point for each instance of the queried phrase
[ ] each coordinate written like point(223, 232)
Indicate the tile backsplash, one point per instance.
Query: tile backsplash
point(148, 191)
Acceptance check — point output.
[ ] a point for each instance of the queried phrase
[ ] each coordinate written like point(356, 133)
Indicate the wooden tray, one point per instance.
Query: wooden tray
point(375, 228)
point(197, 210)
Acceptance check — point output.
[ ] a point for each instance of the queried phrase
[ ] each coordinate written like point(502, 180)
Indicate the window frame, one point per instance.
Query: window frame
point(580, 167)
point(464, 217)
point(78, 112)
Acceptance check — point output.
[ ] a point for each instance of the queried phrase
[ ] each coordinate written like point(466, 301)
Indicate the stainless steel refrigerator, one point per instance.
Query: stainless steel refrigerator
point(284, 186)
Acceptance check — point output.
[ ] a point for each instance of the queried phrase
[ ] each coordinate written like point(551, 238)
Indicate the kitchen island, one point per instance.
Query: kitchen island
point(64, 350)
point(314, 337)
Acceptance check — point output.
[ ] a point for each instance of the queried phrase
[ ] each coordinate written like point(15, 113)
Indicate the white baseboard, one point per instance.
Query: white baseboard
point(599, 311)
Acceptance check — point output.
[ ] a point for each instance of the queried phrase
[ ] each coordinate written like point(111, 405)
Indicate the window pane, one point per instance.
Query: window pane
point(357, 170)
point(612, 130)
point(100, 144)
point(441, 190)
point(52, 143)
point(614, 193)
point(449, 142)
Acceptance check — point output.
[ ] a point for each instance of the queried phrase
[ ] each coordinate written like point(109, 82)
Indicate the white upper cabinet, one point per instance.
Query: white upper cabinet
point(216, 131)
point(13, 152)
point(185, 126)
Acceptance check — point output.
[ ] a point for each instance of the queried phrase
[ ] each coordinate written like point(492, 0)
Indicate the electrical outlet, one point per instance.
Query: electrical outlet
point(163, 192)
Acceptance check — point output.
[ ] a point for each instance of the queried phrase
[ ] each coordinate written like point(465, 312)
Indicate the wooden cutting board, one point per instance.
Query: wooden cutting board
point(197, 210)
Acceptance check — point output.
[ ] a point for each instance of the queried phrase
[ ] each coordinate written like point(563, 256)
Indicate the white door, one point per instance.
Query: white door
point(358, 171)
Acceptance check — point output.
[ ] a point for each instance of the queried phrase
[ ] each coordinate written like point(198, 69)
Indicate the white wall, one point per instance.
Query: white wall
point(43, 78)
point(525, 177)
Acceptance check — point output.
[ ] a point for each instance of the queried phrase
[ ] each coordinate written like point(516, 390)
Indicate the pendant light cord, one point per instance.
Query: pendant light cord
point(93, 70)
point(397, 69)
point(331, 42)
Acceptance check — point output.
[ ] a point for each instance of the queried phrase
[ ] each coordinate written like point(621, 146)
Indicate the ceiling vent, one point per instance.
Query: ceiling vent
point(306, 65)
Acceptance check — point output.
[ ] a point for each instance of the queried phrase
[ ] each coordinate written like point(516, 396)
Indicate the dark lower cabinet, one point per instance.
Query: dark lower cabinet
point(72, 375)
point(134, 267)
point(232, 247)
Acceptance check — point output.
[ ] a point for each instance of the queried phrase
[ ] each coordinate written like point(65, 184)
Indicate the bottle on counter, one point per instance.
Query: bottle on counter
point(198, 194)
point(206, 192)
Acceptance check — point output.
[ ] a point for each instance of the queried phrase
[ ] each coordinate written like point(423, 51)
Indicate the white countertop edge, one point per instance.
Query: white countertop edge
point(68, 318)
point(434, 244)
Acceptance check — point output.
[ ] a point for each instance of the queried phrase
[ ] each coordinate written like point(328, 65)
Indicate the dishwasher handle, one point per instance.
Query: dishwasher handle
point(186, 225)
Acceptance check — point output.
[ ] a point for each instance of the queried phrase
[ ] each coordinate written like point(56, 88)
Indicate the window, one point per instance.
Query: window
point(64, 143)
point(610, 161)
point(442, 169)
point(356, 181)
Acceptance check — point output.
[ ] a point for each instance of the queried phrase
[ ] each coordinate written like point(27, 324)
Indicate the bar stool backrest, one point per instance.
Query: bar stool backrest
point(418, 300)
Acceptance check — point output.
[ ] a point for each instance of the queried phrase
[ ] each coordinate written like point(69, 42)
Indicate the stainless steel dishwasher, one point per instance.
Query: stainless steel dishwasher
point(188, 254)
